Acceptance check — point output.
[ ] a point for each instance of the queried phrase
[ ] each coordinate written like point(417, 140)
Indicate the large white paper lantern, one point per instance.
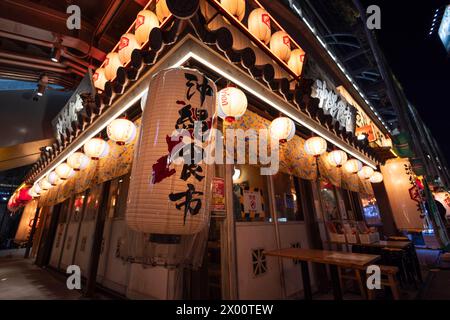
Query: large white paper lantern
point(127, 44)
point(315, 146)
point(162, 11)
point(337, 158)
point(35, 191)
point(234, 7)
point(99, 78)
point(78, 161)
point(159, 187)
point(146, 20)
point(96, 148)
point(121, 131)
point(64, 171)
point(111, 64)
point(404, 196)
point(282, 129)
point(232, 103)
point(377, 177)
point(353, 166)
point(280, 45)
point(365, 173)
point(296, 61)
point(259, 25)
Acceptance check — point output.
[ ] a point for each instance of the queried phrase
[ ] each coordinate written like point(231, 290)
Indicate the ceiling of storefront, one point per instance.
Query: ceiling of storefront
point(29, 31)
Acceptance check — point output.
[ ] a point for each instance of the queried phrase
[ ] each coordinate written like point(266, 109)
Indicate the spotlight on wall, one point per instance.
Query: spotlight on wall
point(42, 86)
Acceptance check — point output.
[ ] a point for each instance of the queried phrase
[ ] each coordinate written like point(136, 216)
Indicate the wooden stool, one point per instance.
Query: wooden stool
point(355, 275)
point(390, 280)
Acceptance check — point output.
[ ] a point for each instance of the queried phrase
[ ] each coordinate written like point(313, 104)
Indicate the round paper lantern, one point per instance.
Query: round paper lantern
point(259, 25)
point(99, 78)
point(36, 190)
point(53, 178)
point(24, 196)
point(280, 44)
point(366, 172)
point(45, 185)
point(122, 131)
point(78, 161)
point(162, 11)
point(96, 148)
point(234, 7)
point(146, 20)
point(127, 44)
point(32, 192)
point(315, 146)
point(377, 177)
point(353, 166)
point(282, 129)
point(64, 171)
point(296, 61)
point(337, 158)
point(112, 63)
point(232, 103)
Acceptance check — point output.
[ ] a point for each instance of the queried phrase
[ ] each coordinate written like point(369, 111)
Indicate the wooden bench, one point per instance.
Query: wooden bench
point(388, 279)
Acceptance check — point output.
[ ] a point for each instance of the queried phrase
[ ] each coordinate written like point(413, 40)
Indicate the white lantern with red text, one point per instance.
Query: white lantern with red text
point(96, 148)
point(162, 11)
point(146, 20)
point(282, 129)
point(353, 166)
point(64, 171)
point(78, 161)
point(99, 78)
point(315, 146)
point(337, 158)
point(122, 131)
point(232, 103)
point(111, 64)
point(280, 44)
point(127, 44)
point(259, 25)
point(365, 173)
point(377, 177)
point(296, 61)
point(234, 7)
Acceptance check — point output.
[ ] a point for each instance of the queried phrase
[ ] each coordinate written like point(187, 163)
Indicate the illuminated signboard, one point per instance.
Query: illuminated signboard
point(444, 29)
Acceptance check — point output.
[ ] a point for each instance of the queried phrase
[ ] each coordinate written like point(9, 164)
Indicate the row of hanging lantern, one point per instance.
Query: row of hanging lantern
point(121, 131)
point(259, 25)
point(232, 104)
point(145, 21)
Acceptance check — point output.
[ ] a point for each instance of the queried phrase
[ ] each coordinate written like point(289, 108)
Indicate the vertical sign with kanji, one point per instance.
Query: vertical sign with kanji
point(170, 182)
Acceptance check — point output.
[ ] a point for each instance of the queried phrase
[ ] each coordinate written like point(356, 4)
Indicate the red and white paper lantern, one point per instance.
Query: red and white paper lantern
point(163, 197)
point(146, 20)
point(280, 44)
point(127, 44)
point(111, 64)
point(259, 25)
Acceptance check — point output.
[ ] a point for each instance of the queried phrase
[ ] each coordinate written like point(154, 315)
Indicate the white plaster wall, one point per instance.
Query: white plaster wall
point(251, 236)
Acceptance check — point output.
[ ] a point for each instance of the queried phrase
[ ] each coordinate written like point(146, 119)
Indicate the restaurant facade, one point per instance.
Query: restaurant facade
point(300, 159)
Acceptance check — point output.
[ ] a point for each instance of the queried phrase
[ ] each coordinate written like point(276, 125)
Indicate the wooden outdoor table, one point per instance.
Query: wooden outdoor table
point(334, 259)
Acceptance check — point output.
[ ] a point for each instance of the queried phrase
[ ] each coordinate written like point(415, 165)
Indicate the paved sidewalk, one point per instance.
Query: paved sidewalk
point(20, 279)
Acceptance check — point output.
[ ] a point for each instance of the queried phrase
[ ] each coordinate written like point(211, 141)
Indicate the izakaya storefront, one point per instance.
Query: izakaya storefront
point(111, 198)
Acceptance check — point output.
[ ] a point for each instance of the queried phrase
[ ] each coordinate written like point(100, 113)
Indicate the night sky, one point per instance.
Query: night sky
point(418, 60)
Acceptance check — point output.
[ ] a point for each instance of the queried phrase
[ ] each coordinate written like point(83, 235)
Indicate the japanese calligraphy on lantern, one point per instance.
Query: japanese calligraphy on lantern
point(170, 181)
point(334, 105)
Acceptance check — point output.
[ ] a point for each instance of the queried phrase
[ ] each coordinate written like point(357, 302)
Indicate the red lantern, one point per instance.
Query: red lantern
point(24, 196)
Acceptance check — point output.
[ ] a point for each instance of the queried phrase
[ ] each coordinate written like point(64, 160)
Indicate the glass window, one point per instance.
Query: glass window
point(287, 194)
point(329, 202)
point(93, 202)
point(77, 208)
point(371, 210)
point(250, 194)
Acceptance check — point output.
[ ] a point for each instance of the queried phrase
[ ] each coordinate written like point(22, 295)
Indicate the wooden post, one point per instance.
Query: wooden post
point(97, 243)
point(30, 239)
